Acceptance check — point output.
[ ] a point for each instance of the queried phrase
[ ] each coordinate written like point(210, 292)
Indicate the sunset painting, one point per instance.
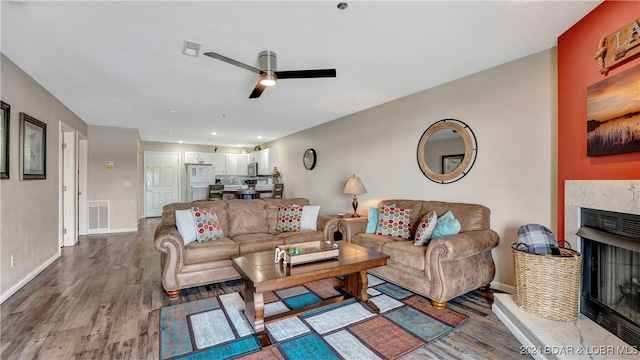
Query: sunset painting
point(613, 114)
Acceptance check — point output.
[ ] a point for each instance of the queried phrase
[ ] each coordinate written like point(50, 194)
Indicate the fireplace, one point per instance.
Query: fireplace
point(610, 293)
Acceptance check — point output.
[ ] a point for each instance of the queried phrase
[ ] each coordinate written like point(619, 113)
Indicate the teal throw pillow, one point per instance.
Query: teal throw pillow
point(372, 223)
point(447, 225)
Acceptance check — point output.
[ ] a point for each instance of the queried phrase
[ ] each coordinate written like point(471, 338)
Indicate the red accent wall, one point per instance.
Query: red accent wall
point(577, 69)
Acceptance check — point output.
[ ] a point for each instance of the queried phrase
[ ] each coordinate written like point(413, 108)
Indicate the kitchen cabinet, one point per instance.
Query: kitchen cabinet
point(231, 164)
point(192, 157)
point(219, 163)
point(243, 161)
point(269, 158)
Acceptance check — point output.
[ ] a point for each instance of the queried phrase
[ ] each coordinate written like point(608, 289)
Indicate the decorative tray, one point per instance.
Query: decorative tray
point(306, 252)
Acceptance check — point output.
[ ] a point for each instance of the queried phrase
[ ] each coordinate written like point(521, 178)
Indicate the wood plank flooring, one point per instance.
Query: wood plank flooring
point(102, 300)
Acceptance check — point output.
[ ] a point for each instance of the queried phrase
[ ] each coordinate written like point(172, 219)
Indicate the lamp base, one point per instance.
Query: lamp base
point(354, 203)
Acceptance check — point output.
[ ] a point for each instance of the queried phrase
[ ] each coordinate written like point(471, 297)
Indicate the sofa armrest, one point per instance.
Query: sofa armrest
point(457, 264)
point(169, 242)
point(461, 245)
point(352, 226)
point(327, 225)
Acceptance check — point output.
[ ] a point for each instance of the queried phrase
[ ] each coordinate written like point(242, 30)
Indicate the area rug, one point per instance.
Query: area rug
point(216, 328)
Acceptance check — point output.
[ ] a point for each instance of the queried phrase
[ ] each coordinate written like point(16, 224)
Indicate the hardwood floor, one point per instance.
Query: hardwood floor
point(102, 300)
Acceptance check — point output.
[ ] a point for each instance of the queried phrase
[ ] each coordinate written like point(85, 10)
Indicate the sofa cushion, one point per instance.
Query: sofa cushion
point(394, 222)
point(206, 224)
point(371, 241)
point(309, 220)
point(406, 253)
point(200, 252)
point(220, 207)
point(169, 212)
point(447, 225)
point(246, 217)
point(472, 217)
point(289, 218)
point(250, 243)
point(186, 225)
point(414, 205)
point(272, 206)
point(372, 223)
point(299, 237)
point(425, 228)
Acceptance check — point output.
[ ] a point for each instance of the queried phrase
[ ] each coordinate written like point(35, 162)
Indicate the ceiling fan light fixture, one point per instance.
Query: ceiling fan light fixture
point(268, 79)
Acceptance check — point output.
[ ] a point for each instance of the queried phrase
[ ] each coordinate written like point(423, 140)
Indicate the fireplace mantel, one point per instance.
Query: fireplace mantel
point(611, 195)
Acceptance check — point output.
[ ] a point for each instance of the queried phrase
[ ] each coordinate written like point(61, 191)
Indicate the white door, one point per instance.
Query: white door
point(162, 182)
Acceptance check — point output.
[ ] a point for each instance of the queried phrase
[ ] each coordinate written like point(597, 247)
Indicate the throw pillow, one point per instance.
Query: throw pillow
point(186, 225)
point(394, 222)
point(309, 217)
point(372, 223)
point(289, 218)
point(207, 225)
point(447, 225)
point(425, 228)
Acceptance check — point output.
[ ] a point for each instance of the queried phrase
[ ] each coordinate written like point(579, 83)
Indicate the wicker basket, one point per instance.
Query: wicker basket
point(548, 285)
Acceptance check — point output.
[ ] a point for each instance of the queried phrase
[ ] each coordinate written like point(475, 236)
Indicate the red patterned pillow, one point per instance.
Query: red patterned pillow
point(289, 218)
point(207, 225)
point(394, 222)
point(425, 228)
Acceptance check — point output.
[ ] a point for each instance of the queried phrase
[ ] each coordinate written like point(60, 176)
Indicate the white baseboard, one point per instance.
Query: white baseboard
point(7, 294)
point(503, 287)
point(112, 231)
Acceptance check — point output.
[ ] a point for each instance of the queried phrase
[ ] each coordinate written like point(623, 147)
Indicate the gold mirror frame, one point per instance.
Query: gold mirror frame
point(470, 151)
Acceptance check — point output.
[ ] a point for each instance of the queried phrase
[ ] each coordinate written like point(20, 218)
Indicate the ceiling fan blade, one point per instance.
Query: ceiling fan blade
point(232, 62)
point(257, 91)
point(305, 74)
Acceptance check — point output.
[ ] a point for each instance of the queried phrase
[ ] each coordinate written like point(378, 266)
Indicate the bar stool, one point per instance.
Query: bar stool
point(247, 194)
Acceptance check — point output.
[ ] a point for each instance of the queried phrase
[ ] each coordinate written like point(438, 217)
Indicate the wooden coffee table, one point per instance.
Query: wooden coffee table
point(261, 274)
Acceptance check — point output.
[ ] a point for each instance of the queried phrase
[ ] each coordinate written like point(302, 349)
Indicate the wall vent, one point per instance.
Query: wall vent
point(98, 214)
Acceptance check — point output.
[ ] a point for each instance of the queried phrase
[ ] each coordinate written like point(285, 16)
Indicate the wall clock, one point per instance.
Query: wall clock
point(309, 159)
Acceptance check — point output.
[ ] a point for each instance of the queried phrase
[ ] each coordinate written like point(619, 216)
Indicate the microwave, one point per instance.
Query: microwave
point(252, 169)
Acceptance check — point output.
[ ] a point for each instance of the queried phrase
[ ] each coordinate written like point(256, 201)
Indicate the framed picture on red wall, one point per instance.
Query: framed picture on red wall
point(613, 114)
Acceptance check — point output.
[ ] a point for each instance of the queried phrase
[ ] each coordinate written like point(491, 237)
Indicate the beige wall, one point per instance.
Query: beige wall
point(119, 145)
point(29, 210)
point(512, 110)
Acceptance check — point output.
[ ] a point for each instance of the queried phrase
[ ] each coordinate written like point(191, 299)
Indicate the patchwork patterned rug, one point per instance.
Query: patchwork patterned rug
point(216, 328)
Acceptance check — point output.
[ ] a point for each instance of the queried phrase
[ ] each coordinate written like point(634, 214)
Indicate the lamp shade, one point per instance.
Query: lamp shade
point(354, 186)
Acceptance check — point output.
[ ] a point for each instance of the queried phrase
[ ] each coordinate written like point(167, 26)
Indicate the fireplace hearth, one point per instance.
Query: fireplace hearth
point(610, 293)
point(549, 339)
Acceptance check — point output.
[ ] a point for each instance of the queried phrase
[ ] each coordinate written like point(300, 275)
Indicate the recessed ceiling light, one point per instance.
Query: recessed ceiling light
point(214, 133)
point(259, 136)
point(180, 141)
point(190, 48)
point(173, 110)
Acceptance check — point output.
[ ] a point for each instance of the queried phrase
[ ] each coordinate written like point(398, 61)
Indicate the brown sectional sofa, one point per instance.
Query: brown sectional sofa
point(444, 269)
point(249, 226)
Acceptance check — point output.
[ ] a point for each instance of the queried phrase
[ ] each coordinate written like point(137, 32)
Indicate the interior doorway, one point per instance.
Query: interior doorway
point(68, 179)
point(162, 181)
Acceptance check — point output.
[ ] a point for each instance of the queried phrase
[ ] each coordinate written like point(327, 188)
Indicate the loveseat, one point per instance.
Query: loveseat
point(446, 267)
point(248, 226)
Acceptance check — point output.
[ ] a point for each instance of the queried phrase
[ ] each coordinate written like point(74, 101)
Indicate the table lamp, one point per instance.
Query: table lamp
point(354, 187)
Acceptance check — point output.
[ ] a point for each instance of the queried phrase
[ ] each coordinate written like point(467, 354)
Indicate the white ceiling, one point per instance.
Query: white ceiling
point(119, 63)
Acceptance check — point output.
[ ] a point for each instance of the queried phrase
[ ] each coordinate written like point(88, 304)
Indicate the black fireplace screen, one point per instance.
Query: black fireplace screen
point(610, 293)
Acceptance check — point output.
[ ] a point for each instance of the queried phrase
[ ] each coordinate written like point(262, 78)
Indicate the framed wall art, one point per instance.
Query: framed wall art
point(613, 114)
point(33, 148)
point(451, 162)
point(5, 110)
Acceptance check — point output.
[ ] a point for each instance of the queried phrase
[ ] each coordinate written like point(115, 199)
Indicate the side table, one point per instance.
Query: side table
point(338, 231)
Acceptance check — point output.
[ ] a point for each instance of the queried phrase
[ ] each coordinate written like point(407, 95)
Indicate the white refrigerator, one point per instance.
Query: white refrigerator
point(199, 177)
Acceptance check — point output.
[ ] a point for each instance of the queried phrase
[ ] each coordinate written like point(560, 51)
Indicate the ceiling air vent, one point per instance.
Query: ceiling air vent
point(190, 48)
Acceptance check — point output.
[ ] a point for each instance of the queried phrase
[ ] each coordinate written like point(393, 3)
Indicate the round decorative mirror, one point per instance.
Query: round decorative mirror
point(447, 151)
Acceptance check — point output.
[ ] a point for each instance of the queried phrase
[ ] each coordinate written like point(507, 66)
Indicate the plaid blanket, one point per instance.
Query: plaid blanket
point(537, 239)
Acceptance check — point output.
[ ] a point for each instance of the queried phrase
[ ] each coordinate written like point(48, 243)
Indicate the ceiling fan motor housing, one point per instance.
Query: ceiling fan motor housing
point(268, 61)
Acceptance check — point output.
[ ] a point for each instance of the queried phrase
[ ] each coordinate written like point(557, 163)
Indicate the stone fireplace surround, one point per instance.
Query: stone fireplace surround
point(582, 338)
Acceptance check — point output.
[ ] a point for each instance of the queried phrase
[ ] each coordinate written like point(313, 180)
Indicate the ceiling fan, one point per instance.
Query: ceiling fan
point(269, 74)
